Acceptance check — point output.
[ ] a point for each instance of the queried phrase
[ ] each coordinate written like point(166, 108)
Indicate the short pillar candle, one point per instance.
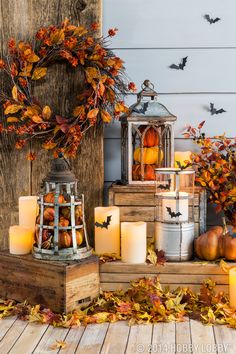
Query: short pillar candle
point(28, 210)
point(232, 287)
point(134, 242)
point(20, 240)
point(107, 230)
point(181, 157)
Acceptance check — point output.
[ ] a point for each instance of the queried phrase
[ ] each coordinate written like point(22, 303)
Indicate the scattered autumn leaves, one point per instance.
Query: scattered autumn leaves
point(146, 301)
point(100, 98)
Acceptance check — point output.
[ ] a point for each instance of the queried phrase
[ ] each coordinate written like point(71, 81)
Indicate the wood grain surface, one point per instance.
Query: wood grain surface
point(21, 19)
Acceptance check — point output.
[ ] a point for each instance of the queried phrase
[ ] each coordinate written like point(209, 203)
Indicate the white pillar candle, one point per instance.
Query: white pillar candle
point(232, 287)
point(133, 242)
point(28, 211)
point(20, 239)
point(170, 207)
point(181, 157)
point(107, 230)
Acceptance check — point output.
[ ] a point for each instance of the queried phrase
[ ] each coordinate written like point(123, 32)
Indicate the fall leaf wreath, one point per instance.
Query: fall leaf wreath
point(100, 99)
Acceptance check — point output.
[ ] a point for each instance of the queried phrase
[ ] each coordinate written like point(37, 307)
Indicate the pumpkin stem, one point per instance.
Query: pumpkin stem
point(225, 229)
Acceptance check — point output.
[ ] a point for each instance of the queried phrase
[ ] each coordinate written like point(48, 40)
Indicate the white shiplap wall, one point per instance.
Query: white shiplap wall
point(153, 34)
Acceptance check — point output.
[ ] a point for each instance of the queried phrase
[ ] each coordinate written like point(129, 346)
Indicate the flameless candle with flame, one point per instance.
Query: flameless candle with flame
point(174, 220)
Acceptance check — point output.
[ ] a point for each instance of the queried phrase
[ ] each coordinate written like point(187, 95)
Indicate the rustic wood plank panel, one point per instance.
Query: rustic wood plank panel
point(124, 286)
point(190, 109)
point(163, 339)
point(179, 23)
point(116, 338)
point(21, 19)
point(154, 64)
point(29, 339)
point(49, 338)
point(6, 325)
point(168, 268)
point(12, 335)
point(72, 340)
point(202, 337)
point(140, 337)
point(164, 278)
point(183, 336)
point(140, 199)
point(225, 339)
point(92, 339)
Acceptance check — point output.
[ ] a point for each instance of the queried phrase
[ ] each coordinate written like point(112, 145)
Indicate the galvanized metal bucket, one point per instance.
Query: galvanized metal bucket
point(176, 240)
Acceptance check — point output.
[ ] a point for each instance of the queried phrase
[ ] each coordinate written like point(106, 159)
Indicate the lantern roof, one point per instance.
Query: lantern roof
point(147, 108)
point(60, 171)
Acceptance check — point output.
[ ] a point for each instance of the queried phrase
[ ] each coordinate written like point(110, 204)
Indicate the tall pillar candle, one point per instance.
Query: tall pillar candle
point(172, 206)
point(20, 239)
point(134, 242)
point(232, 287)
point(181, 157)
point(28, 211)
point(107, 230)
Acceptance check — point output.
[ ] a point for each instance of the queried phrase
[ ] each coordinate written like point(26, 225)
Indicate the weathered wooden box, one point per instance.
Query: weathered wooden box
point(60, 286)
point(137, 203)
point(117, 275)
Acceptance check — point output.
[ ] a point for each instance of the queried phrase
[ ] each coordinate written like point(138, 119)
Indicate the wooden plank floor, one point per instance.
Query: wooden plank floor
point(20, 337)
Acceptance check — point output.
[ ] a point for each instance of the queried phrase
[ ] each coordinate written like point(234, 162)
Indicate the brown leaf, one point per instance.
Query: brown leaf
point(38, 73)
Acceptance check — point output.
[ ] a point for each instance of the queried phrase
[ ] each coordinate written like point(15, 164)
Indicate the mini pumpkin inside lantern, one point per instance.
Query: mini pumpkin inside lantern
point(60, 227)
point(147, 137)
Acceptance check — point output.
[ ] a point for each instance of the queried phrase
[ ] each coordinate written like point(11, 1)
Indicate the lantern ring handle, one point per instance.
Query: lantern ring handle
point(147, 84)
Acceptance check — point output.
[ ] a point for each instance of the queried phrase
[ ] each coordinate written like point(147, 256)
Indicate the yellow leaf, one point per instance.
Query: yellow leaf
point(80, 31)
point(57, 36)
point(26, 71)
point(91, 73)
point(14, 92)
point(224, 266)
point(32, 111)
point(46, 113)
point(93, 113)
point(37, 119)
point(39, 73)
point(106, 117)
point(33, 58)
point(12, 120)
point(79, 111)
point(60, 344)
point(13, 108)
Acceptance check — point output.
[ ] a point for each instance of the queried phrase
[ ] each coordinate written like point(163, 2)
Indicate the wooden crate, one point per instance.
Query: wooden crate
point(60, 286)
point(137, 203)
point(117, 275)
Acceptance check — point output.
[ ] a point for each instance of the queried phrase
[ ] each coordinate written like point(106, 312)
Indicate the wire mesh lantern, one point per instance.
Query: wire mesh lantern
point(60, 227)
point(147, 138)
point(174, 217)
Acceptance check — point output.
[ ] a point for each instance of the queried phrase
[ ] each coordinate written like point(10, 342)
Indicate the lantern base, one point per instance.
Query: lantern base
point(66, 254)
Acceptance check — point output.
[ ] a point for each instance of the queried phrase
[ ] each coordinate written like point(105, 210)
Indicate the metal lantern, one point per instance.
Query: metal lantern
point(147, 138)
point(174, 219)
point(60, 227)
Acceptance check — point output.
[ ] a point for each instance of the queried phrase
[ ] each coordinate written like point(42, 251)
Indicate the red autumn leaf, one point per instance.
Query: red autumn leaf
point(201, 124)
point(64, 128)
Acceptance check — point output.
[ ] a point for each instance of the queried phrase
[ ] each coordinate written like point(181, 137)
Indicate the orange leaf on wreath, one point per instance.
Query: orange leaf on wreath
point(39, 73)
point(93, 113)
point(57, 36)
point(13, 108)
point(79, 111)
point(46, 113)
point(37, 119)
point(14, 92)
point(106, 117)
point(12, 120)
point(31, 156)
point(91, 73)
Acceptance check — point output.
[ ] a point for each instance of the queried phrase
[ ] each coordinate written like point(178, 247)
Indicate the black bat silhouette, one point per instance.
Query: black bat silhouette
point(211, 20)
point(165, 186)
point(213, 110)
point(181, 65)
point(182, 167)
point(105, 224)
point(172, 213)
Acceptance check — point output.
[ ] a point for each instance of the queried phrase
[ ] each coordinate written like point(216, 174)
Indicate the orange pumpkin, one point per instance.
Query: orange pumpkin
point(151, 137)
point(149, 174)
point(64, 239)
point(207, 245)
point(49, 198)
point(150, 155)
point(228, 247)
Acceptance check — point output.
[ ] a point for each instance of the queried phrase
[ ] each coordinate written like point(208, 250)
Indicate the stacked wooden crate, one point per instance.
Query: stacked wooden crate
point(137, 203)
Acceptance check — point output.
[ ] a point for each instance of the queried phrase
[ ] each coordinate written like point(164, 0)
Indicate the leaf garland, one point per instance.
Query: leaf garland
point(144, 302)
point(100, 98)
